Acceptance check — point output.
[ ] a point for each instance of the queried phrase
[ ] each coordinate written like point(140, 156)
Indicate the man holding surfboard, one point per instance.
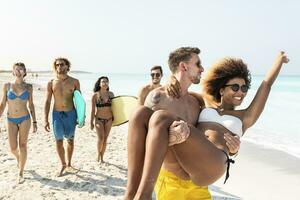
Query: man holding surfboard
point(156, 75)
point(64, 117)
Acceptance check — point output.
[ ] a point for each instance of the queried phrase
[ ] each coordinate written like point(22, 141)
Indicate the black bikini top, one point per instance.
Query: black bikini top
point(100, 102)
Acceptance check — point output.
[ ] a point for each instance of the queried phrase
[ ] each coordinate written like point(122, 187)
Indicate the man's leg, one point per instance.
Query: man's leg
point(137, 132)
point(61, 153)
point(70, 149)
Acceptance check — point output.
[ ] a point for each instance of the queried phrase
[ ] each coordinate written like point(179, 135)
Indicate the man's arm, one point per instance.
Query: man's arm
point(142, 96)
point(77, 85)
point(47, 106)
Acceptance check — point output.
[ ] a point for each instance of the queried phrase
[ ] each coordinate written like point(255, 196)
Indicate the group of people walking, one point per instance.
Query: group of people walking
point(179, 142)
point(18, 96)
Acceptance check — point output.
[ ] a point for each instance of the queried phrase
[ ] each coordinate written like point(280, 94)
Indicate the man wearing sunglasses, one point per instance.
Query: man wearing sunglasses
point(64, 115)
point(156, 75)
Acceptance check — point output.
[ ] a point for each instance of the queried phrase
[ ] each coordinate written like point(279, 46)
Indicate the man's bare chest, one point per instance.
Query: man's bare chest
point(185, 109)
point(63, 89)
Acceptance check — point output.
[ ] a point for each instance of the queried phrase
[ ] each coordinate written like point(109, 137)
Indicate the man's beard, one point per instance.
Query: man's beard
point(195, 80)
point(155, 82)
point(62, 72)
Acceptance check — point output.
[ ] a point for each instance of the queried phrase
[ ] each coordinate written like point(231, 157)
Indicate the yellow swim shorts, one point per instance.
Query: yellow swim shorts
point(170, 187)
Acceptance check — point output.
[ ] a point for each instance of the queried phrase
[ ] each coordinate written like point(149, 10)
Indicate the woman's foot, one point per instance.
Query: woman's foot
point(20, 179)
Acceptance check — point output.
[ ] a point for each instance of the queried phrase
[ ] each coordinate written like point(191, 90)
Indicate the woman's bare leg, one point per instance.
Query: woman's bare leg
point(137, 132)
point(106, 134)
point(210, 164)
point(24, 129)
point(13, 131)
point(156, 149)
point(100, 132)
point(196, 146)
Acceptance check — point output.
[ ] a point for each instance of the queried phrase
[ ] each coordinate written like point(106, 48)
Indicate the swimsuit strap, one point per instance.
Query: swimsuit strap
point(229, 160)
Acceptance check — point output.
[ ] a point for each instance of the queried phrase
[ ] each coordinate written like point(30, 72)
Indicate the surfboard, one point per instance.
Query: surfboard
point(122, 107)
point(80, 107)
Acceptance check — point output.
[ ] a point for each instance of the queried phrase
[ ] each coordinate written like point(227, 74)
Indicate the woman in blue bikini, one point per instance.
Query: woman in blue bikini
point(101, 114)
point(17, 96)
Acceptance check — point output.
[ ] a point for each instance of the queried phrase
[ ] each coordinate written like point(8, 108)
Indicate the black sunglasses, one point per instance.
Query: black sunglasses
point(157, 75)
point(236, 87)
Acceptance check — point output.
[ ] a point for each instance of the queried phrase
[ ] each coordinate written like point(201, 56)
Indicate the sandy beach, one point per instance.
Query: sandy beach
point(258, 173)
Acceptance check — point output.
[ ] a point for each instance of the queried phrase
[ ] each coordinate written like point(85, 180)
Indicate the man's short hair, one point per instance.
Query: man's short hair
point(65, 60)
point(183, 54)
point(157, 67)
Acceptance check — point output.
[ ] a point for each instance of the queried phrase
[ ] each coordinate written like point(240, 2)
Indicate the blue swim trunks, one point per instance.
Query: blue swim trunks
point(64, 124)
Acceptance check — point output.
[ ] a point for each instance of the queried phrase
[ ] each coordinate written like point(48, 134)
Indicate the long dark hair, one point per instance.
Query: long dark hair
point(97, 84)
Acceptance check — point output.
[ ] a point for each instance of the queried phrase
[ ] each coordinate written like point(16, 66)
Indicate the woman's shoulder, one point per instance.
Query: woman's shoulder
point(111, 94)
point(28, 85)
point(6, 85)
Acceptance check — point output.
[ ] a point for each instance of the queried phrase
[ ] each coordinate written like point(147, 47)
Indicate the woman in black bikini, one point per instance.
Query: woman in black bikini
point(101, 114)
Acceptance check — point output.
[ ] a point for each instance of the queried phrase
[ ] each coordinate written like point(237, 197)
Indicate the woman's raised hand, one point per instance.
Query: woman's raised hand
point(173, 87)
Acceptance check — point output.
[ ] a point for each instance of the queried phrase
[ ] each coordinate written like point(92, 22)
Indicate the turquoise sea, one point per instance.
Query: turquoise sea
point(277, 128)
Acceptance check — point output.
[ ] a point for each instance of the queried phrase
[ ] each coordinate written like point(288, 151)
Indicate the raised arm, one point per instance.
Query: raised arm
point(47, 106)
point(257, 105)
point(32, 109)
point(3, 100)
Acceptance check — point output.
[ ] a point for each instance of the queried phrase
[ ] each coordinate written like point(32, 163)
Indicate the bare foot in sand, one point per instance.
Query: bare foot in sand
point(61, 172)
point(20, 179)
point(71, 169)
point(102, 161)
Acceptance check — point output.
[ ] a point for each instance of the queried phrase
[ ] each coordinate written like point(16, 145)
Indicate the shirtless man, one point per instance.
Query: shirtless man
point(156, 75)
point(185, 65)
point(64, 115)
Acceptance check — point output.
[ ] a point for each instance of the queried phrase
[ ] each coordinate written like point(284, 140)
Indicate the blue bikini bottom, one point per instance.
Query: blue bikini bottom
point(18, 120)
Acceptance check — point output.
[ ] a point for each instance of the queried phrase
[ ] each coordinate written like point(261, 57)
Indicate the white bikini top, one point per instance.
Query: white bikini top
point(232, 123)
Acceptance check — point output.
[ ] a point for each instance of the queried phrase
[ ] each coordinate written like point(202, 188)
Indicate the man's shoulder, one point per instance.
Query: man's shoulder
point(73, 79)
point(156, 98)
point(196, 98)
point(160, 90)
point(146, 88)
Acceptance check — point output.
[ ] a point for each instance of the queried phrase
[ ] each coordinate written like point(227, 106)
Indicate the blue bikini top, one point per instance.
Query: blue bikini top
point(11, 95)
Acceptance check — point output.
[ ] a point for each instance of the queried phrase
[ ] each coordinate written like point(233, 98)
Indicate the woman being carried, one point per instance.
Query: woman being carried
point(102, 114)
point(17, 96)
point(225, 86)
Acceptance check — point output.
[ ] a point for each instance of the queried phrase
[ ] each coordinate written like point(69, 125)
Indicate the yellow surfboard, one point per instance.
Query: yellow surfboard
point(122, 107)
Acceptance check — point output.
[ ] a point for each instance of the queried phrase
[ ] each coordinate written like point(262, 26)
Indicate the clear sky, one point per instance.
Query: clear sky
point(133, 35)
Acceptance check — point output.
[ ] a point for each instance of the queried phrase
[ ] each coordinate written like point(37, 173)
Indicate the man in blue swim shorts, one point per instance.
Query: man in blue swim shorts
point(64, 115)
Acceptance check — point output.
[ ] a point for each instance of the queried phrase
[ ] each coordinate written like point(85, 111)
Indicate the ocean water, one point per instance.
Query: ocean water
point(277, 128)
